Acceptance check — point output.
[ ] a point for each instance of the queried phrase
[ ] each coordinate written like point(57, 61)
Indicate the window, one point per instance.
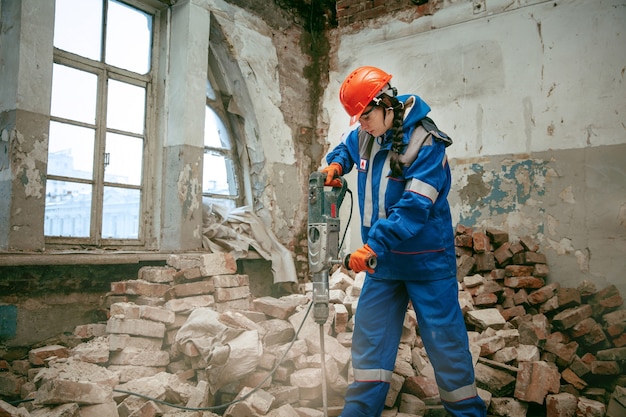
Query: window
point(220, 179)
point(98, 134)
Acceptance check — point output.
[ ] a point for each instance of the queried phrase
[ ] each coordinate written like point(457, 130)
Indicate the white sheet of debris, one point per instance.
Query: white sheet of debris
point(229, 354)
point(236, 230)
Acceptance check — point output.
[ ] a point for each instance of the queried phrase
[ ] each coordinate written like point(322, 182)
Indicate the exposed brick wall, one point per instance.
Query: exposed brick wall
point(354, 11)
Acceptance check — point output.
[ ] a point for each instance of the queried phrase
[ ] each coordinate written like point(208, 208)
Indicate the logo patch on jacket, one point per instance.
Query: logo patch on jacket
point(363, 165)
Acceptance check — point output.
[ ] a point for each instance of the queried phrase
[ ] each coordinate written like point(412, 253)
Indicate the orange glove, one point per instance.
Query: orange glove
point(333, 172)
point(361, 258)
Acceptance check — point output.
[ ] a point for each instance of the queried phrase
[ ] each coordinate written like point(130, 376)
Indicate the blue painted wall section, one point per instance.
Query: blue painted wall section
point(491, 192)
point(8, 321)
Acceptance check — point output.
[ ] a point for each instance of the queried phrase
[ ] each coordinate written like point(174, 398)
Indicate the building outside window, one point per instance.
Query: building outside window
point(221, 182)
point(99, 126)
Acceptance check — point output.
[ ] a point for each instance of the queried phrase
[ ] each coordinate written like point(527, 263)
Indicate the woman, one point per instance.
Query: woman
point(403, 183)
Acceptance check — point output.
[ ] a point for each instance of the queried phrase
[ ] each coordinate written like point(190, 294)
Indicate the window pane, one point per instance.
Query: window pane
point(218, 175)
point(128, 39)
point(120, 216)
point(126, 107)
point(70, 151)
point(123, 159)
point(78, 27)
point(215, 133)
point(73, 94)
point(68, 209)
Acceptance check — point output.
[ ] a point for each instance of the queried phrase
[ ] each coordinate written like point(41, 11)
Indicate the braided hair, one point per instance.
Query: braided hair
point(387, 101)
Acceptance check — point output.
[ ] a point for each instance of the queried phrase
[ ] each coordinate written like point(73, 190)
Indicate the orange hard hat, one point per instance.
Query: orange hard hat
point(359, 89)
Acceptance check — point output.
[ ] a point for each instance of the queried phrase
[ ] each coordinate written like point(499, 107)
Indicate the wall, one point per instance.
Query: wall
point(270, 59)
point(533, 94)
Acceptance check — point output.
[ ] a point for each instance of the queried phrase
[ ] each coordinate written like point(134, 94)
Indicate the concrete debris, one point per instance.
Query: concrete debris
point(189, 339)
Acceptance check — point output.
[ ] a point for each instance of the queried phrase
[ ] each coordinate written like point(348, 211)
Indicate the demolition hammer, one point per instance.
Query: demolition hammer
point(323, 250)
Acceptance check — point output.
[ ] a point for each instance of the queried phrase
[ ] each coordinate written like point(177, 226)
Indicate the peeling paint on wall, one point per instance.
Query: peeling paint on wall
point(489, 192)
point(26, 161)
point(188, 189)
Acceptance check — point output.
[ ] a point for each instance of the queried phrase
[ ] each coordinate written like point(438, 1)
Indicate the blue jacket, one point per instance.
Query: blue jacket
point(405, 220)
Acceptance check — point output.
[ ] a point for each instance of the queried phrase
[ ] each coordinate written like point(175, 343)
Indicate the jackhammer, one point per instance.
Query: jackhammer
point(323, 248)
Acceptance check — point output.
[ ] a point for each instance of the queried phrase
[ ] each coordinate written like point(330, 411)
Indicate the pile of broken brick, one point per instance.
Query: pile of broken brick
point(189, 339)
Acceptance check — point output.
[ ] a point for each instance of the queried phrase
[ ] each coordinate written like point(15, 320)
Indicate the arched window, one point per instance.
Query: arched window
point(223, 173)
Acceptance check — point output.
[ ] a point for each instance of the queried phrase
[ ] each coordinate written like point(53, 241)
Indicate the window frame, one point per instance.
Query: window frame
point(219, 104)
point(104, 73)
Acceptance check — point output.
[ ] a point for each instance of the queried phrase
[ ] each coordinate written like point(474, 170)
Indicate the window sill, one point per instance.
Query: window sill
point(92, 257)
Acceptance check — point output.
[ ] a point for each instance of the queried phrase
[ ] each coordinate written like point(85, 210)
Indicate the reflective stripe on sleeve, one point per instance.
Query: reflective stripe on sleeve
point(372, 375)
point(422, 188)
point(458, 394)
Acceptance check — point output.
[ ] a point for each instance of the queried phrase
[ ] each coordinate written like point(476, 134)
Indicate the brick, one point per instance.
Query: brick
point(277, 331)
point(91, 330)
point(139, 287)
point(503, 254)
point(157, 274)
point(132, 372)
point(341, 318)
point(529, 258)
point(136, 327)
point(497, 237)
point(242, 304)
point(571, 378)
point(485, 261)
point(118, 342)
point(11, 384)
point(569, 317)
point(617, 403)
point(420, 386)
point(568, 297)
point(561, 405)
point(486, 300)
point(535, 380)
point(108, 409)
point(486, 318)
point(481, 242)
point(507, 406)
point(564, 352)
point(464, 241)
point(465, 264)
point(527, 353)
point(274, 307)
point(613, 318)
point(543, 294)
point(614, 354)
point(228, 281)
point(541, 270)
point(550, 305)
point(579, 367)
point(139, 357)
point(38, 356)
point(308, 382)
point(395, 388)
point(518, 270)
point(534, 331)
point(188, 304)
point(523, 282)
point(605, 368)
point(189, 289)
point(499, 383)
point(61, 391)
point(529, 243)
point(229, 294)
point(210, 264)
point(590, 408)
